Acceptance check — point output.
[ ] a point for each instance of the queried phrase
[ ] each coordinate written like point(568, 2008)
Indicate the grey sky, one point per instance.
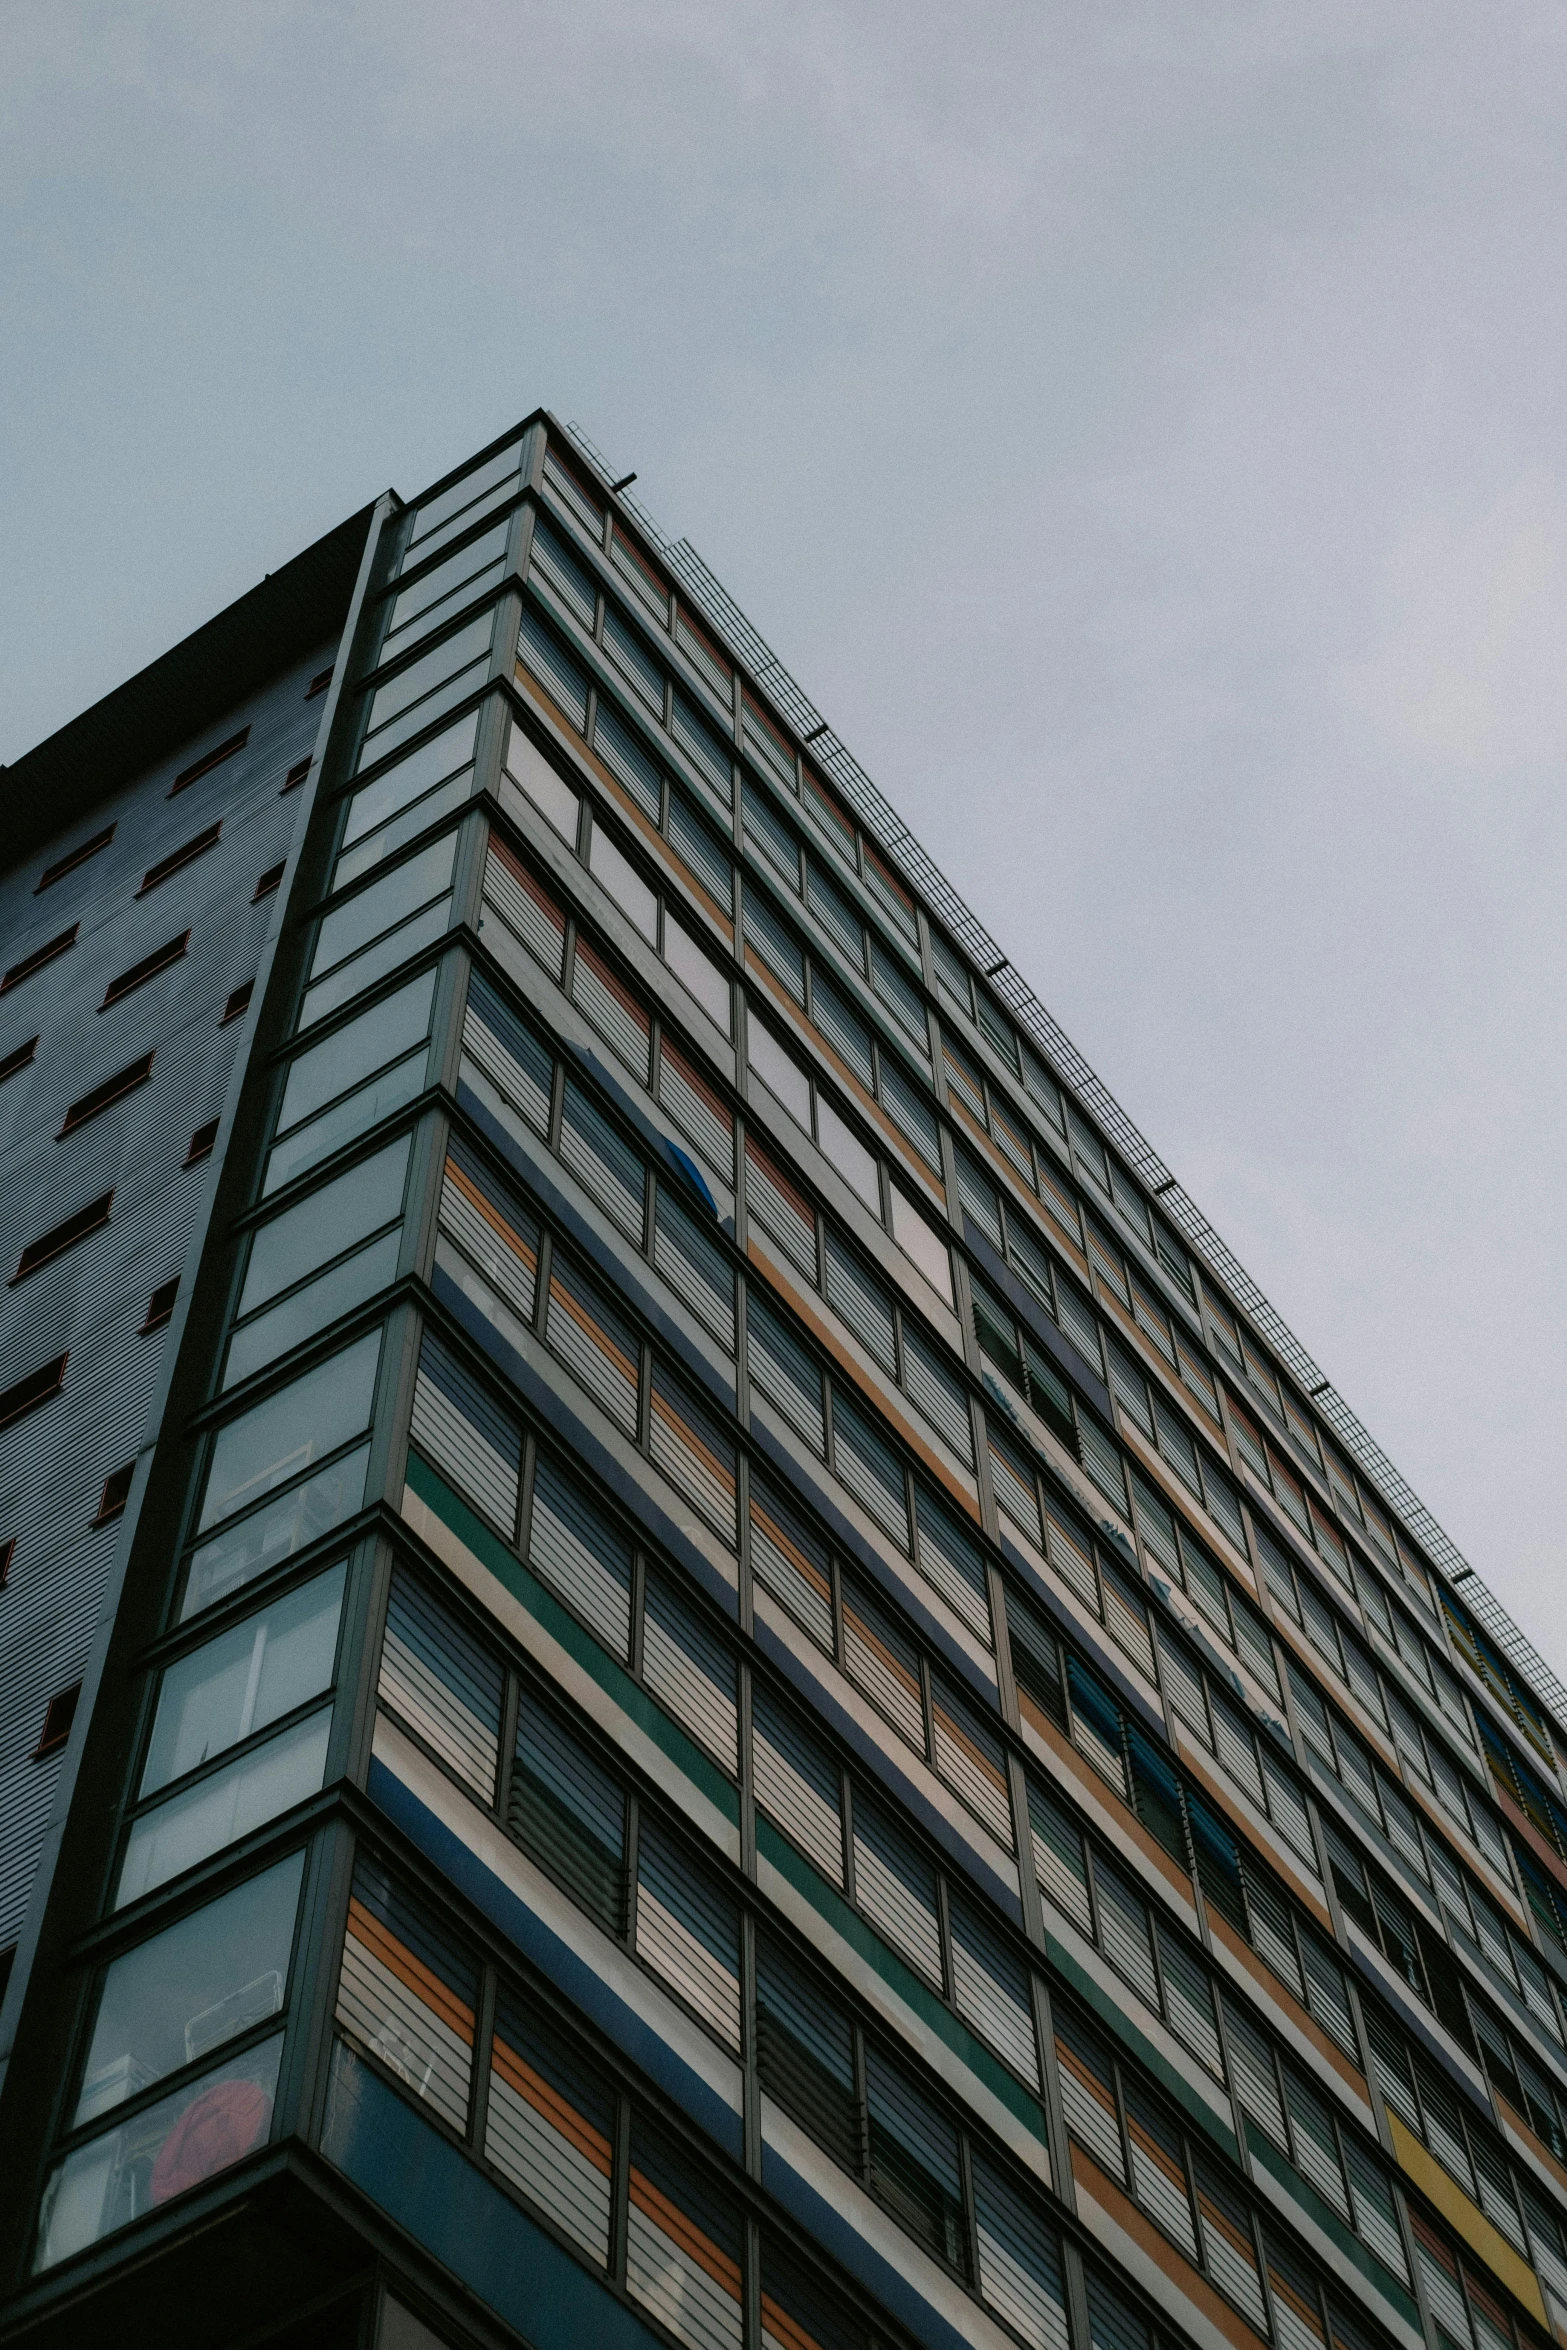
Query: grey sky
point(1140, 426)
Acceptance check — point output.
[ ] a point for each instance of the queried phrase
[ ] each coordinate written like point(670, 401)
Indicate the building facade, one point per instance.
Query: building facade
point(683, 1661)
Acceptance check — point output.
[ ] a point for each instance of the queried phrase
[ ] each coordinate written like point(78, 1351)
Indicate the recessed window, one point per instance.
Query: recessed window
point(318, 684)
point(160, 1306)
point(201, 1143)
point(25, 1395)
point(239, 1002)
point(296, 775)
point(20, 1059)
point(58, 1717)
point(7, 1554)
point(116, 1493)
point(209, 759)
point(147, 968)
point(111, 1090)
point(38, 1252)
point(37, 959)
point(194, 848)
point(268, 883)
point(74, 857)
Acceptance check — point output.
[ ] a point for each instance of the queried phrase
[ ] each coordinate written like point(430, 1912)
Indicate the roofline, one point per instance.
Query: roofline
point(164, 706)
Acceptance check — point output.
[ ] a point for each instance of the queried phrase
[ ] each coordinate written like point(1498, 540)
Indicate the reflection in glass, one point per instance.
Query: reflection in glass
point(201, 1982)
point(270, 1535)
point(163, 2151)
point(315, 1307)
point(219, 1810)
point(247, 1677)
point(271, 1443)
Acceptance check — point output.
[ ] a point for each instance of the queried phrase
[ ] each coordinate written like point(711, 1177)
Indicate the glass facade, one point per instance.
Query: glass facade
point(763, 1713)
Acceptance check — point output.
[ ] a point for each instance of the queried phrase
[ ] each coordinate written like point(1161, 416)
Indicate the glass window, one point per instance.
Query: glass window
point(843, 1149)
point(268, 1536)
point(779, 1071)
point(325, 1223)
point(167, 2148)
point(246, 1678)
point(616, 875)
point(494, 478)
point(410, 685)
point(480, 555)
point(202, 1981)
point(527, 767)
point(386, 902)
point(385, 1048)
point(407, 800)
point(399, 945)
point(697, 971)
point(218, 1811)
point(315, 1307)
point(920, 1241)
point(275, 1440)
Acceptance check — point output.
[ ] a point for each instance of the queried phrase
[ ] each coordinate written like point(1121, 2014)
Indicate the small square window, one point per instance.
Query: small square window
point(37, 959)
point(74, 857)
point(61, 1713)
point(20, 1059)
point(7, 1554)
point(196, 846)
point(160, 1306)
point(148, 968)
point(115, 1494)
point(318, 684)
point(111, 1090)
point(238, 1003)
point(268, 883)
point(208, 760)
point(201, 1143)
point(296, 775)
point(27, 1394)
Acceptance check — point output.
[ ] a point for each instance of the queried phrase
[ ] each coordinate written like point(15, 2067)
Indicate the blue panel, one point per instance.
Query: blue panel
point(555, 1959)
point(446, 2204)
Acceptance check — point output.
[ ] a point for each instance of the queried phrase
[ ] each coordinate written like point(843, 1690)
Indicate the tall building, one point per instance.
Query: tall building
point(683, 1661)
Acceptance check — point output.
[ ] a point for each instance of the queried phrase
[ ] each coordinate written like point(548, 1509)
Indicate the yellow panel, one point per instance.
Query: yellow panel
point(1486, 2241)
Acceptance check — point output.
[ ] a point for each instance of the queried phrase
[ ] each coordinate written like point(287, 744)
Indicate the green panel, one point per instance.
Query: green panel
point(579, 1645)
point(915, 1995)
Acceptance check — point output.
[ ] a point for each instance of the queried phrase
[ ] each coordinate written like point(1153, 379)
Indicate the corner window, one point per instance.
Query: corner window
point(275, 1440)
point(351, 1080)
point(319, 1259)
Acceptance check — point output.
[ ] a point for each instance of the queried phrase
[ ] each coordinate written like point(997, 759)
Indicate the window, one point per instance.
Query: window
point(115, 1494)
point(368, 935)
point(246, 1679)
point(160, 1306)
point(318, 684)
point(59, 1714)
point(428, 687)
point(37, 959)
point(275, 1440)
point(196, 846)
point(21, 1058)
point(296, 775)
point(53, 1244)
point(7, 1555)
point(147, 968)
point(351, 1227)
point(210, 759)
point(268, 882)
point(238, 1003)
point(352, 1079)
point(25, 1395)
point(175, 1999)
point(72, 858)
point(106, 1093)
point(407, 799)
point(201, 1143)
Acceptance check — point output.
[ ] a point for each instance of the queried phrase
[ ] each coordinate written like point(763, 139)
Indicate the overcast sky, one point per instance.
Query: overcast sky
point(1140, 426)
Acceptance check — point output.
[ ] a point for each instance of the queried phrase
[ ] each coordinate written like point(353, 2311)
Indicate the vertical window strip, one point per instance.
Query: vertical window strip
point(465, 1435)
point(549, 2128)
point(408, 1992)
point(443, 1683)
point(524, 906)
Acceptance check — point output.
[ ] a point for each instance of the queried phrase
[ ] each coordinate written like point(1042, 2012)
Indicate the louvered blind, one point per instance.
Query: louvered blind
point(569, 1814)
point(443, 1683)
point(550, 2127)
point(408, 1991)
point(581, 1555)
point(465, 1434)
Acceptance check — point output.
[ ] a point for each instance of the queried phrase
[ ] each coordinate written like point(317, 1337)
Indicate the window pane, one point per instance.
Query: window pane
point(190, 1988)
point(275, 1440)
point(270, 1535)
point(384, 904)
point(246, 1678)
point(219, 1810)
point(467, 564)
point(165, 2150)
point(381, 1035)
point(314, 1308)
point(411, 778)
point(354, 1115)
point(843, 1149)
point(325, 1223)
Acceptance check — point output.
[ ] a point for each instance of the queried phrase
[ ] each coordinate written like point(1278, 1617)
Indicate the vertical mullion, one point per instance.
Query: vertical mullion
point(483, 2038)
